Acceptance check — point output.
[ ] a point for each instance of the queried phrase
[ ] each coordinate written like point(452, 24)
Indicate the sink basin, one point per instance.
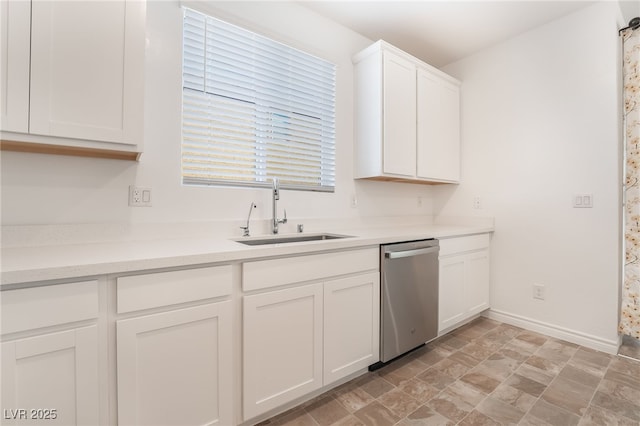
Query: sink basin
point(290, 239)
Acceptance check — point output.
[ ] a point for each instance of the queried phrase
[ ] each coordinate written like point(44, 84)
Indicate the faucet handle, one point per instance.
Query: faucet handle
point(284, 219)
point(245, 230)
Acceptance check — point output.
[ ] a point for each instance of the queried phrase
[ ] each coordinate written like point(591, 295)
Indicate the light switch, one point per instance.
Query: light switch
point(583, 201)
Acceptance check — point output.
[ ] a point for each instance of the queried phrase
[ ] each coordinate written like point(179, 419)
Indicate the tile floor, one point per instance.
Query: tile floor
point(485, 373)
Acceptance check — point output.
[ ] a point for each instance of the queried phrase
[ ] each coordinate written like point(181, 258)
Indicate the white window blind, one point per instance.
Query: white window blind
point(254, 109)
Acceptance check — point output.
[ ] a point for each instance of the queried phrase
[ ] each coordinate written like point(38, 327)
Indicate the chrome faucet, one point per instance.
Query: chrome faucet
point(246, 228)
point(276, 196)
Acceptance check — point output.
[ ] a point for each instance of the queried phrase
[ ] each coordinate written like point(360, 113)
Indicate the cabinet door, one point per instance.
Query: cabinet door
point(399, 124)
point(282, 347)
point(477, 281)
point(438, 137)
point(451, 296)
point(14, 55)
point(57, 371)
point(87, 70)
point(351, 325)
point(174, 368)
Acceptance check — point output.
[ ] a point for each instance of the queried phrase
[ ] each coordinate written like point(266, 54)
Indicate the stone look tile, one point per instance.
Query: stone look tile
point(436, 378)
point(476, 418)
point(376, 414)
point(327, 411)
point(430, 355)
point(425, 416)
point(620, 390)
point(375, 385)
point(480, 381)
point(535, 374)
point(476, 351)
point(569, 395)
point(419, 390)
point(544, 364)
point(579, 375)
point(514, 397)
point(399, 402)
point(596, 416)
point(354, 399)
point(617, 405)
point(484, 374)
point(497, 366)
point(553, 415)
point(407, 371)
point(526, 385)
point(532, 337)
point(556, 351)
point(451, 368)
point(500, 411)
point(349, 421)
point(466, 358)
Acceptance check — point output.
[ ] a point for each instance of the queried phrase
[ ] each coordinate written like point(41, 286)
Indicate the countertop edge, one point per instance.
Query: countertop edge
point(232, 252)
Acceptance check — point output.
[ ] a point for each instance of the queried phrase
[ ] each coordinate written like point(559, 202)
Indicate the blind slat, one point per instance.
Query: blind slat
point(254, 109)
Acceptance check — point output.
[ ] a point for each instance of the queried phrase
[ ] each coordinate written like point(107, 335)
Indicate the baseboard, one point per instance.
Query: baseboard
point(582, 339)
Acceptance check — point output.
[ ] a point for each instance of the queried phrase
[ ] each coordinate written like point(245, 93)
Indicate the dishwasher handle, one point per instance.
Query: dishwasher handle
point(409, 253)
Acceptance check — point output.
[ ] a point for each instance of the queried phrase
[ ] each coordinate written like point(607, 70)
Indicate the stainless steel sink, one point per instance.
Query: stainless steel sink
point(290, 239)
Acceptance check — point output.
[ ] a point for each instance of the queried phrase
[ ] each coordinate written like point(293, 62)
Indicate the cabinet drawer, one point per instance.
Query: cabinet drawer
point(169, 288)
point(463, 244)
point(271, 273)
point(36, 307)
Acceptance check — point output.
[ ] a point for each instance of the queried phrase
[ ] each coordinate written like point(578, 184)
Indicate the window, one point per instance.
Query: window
point(253, 109)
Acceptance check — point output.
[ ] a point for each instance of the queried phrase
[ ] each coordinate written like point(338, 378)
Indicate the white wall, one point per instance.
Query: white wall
point(41, 189)
point(539, 124)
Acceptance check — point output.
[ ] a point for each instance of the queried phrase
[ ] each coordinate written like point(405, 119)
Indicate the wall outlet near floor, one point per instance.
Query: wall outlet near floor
point(538, 291)
point(139, 196)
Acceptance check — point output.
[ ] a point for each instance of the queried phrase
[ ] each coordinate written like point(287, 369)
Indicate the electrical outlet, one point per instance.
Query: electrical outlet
point(477, 203)
point(139, 196)
point(538, 291)
point(419, 201)
point(354, 201)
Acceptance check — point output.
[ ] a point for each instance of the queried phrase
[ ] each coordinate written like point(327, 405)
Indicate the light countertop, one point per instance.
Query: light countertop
point(72, 261)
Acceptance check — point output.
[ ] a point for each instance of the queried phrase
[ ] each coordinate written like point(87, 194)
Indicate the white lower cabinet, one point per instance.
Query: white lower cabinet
point(51, 378)
point(351, 325)
point(303, 337)
point(464, 279)
point(50, 363)
point(174, 368)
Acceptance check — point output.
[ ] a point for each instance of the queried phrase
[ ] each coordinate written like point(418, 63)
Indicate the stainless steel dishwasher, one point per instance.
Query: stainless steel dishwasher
point(409, 296)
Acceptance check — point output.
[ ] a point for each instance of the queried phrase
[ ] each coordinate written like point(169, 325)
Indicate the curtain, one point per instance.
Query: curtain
point(630, 306)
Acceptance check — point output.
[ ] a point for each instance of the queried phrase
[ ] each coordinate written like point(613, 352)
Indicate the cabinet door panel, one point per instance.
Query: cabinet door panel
point(351, 325)
point(477, 281)
point(53, 371)
point(282, 347)
point(174, 368)
point(438, 137)
point(86, 70)
point(399, 126)
point(14, 78)
point(452, 299)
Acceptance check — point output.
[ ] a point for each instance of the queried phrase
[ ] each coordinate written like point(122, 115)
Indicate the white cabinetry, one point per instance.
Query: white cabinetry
point(407, 118)
point(319, 329)
point(75, 74)
point(50, 377)
point(282, 347)
point(351, 325)
point(175, 367)
point(464, 279)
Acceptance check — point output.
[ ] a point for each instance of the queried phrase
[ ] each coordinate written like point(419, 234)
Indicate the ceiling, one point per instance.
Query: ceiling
point(441, 32)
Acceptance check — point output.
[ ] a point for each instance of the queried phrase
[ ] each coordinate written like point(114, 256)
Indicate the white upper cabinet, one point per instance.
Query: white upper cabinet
point(85, 71)
point(438, 128)
point(399, 110)
point(14, 77)
point(407, 118)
